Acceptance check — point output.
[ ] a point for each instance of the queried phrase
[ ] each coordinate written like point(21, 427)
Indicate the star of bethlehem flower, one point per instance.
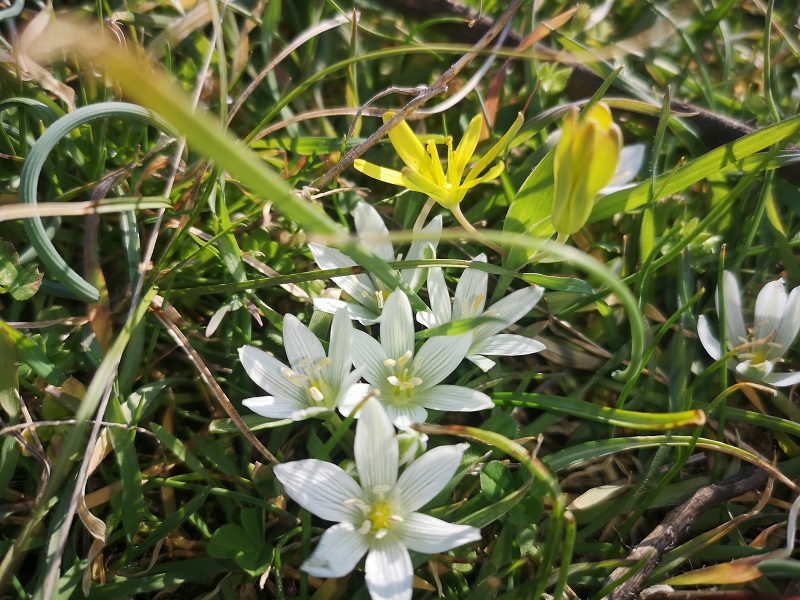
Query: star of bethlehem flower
point(585, 161)
point(369, 292)
point(775, 325)
point(424, 173)
point(469, 301)
point(377, 515)
point(314, 383)
point(407, 382)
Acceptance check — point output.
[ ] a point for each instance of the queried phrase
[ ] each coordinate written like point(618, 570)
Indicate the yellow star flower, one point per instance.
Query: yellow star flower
point(423, 171)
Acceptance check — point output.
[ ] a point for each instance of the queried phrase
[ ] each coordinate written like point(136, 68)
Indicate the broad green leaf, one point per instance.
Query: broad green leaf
point(531, 211)
point(26, 284)
point(29, 353)
point(229, 541)
point(732, 157)
point(496, 480)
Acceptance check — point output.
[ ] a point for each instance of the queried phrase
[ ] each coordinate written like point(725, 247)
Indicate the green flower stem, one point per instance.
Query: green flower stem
point(456, 210)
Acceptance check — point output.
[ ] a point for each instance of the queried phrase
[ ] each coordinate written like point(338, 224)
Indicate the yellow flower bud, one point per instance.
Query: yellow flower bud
point(585, 159)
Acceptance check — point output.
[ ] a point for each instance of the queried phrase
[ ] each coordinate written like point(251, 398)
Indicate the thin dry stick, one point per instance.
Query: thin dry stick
point(435, 89)
point(208, 379)
point(676, 523)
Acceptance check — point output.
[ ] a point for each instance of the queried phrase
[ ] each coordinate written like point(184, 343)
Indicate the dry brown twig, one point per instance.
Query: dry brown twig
point(650, 550)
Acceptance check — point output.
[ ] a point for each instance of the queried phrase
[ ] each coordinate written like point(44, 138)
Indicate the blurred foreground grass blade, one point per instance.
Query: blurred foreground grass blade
point(145, 83)
point(603, 414)
point(728, 158)
point(151, 88)
point(105, 206)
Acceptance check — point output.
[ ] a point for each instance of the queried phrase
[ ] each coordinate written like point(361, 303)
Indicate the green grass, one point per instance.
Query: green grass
point(186, 239)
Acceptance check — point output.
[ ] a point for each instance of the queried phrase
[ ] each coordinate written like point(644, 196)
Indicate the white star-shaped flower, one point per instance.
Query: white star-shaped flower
point(407, 382)
point(314, 382)
point(776, 323)
point(469, 301)
point(368, 292)
point(377, 515)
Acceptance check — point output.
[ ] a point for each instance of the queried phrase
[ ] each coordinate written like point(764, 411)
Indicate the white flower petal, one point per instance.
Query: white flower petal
point(417, 249)
point(454, 398)
point(483, 363)
point(353, 397)
point(782, 379)
point(735, 330)
point(373, 232)
point(360, 287)
point(506, 344)
point(509, 310)
point(630, 162)
point(470, 296)
point(422, 249)
point(376, 452)
point(389, 571)
point(428, 475)
point(710, 343)
point(790, 325)
point(311, 412)
point(427, 319)
point(429, 535)
point(274, 408)
point(265, 371)
point(415, 277)
point(770, 307)
point(439, 356)
point(329, 305)
point(397, 325)
point(340, 349)
point(299, 342)
point(337, 553)
point(438, 297)
point(322, 489)
point(369, 357)
point(355, 311)
point(404, 416)
point(755, 372)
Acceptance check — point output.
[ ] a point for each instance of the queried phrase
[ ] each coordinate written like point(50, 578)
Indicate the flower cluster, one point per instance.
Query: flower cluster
point(385, 381)
point(404, 376)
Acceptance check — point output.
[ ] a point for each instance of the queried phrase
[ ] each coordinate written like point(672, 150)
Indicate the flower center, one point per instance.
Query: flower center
point(312, 377)
point(404, 379)
point(379, 516)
